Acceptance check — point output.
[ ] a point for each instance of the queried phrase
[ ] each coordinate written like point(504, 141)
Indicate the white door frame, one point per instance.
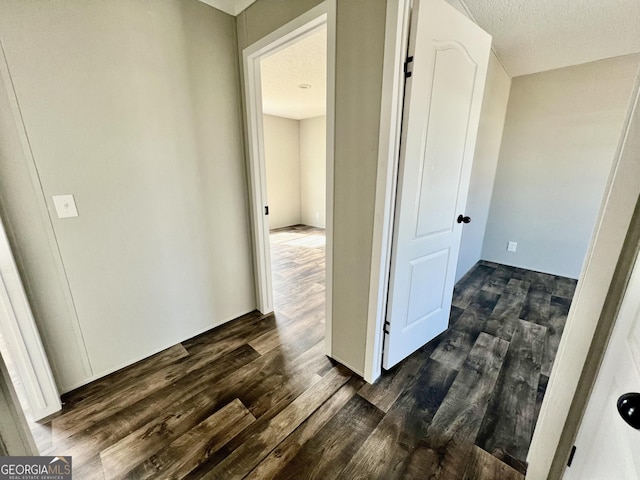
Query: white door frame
point(22, 339)
point(395, 51)
point(606, 243)
point(300, 27)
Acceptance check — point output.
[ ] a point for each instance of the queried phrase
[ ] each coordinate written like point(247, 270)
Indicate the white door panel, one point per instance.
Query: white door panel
point(607, 447)
point(442, 110)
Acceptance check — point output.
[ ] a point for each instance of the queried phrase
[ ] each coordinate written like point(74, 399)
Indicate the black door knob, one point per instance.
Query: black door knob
point(629, 409)
point(463, 219)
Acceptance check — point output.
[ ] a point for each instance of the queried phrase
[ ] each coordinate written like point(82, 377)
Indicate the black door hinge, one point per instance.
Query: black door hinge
point(573, 452)
point(266, 209)
point(407, 73)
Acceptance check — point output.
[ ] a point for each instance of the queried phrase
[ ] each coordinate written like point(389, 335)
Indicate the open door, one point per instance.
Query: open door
point(446, 73)
point(23, 340)
point(608, 447)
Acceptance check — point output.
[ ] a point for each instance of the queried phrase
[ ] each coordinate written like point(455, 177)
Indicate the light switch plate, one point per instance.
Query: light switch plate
point(65, 206)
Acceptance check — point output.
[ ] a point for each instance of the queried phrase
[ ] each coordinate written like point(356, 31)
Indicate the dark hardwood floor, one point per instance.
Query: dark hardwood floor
point(257, 398)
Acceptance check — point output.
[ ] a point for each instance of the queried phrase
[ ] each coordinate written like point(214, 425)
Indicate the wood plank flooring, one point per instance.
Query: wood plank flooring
point(257, 398)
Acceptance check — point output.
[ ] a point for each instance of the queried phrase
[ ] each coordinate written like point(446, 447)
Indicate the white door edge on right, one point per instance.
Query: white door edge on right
point(606, 446)
point(450, 56)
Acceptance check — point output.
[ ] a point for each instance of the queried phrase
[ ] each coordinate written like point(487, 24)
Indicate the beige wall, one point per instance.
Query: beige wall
point(485, 163)
point(313, 171)
point(295, 154)
point(282, 161)
point(360, 46)
point(560, 136)
point(133, 107)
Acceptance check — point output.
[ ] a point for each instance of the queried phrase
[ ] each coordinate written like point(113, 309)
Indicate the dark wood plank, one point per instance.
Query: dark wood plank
point(459, 339)
point(108, 422)
point(497, 282)
point(193, 448)
point(455, 314)
point(324, 456)
point(468, 288)
point(503, 319)
point(386, 451)
point(558, 311)
point(401, 378)
point(183, 416)
point(268, 468)
point(544, 281)
point(508, 424)
point(565, 287)
point(88, 468)
point(279, 380)
point(536, 305)
point(108, 388)
point(461, 412)
point(257, 446)
point(542, 389)
point(483, 466)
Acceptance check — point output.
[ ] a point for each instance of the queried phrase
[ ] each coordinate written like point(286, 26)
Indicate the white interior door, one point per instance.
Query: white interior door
point(22, 339)
point(442, 110)
point(606, 446)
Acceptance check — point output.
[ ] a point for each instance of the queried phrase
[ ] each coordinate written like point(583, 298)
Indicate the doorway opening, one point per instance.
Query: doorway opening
point(289, 91)
point(293, 86)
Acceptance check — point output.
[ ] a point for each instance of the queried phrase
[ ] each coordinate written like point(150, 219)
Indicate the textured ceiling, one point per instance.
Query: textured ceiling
point(536, 35)
point(304, 63)
point(532, 36)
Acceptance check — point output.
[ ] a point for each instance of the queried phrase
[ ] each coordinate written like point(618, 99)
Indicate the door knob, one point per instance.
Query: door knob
point(629, 409)
point(463, 219)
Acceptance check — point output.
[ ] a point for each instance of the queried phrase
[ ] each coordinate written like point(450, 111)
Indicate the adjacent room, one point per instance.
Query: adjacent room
point(126, 195)
point(294, 132)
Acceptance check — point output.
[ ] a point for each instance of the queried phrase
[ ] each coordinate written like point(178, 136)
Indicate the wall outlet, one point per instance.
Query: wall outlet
point(512, 246)
point(317, 215)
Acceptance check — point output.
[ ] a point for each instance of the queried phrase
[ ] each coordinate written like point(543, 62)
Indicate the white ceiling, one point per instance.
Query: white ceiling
point(532, 36)
point(303, 63)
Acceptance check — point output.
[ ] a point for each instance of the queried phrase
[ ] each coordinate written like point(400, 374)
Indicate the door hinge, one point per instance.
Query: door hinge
point(266, 209)
point(573, 452)
point(407, 73)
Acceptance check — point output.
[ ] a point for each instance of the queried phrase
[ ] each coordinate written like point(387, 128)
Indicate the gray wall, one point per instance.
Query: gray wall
point(485, 163)
point(359, 44)
point(282, 165)
point(134, 108)
point(313, 171)
point(560, 136)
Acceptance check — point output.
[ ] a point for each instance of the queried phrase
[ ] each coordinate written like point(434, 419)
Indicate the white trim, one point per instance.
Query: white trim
point(23, 340)
point(395, 51)
point(331, 122)
point(302, 26)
